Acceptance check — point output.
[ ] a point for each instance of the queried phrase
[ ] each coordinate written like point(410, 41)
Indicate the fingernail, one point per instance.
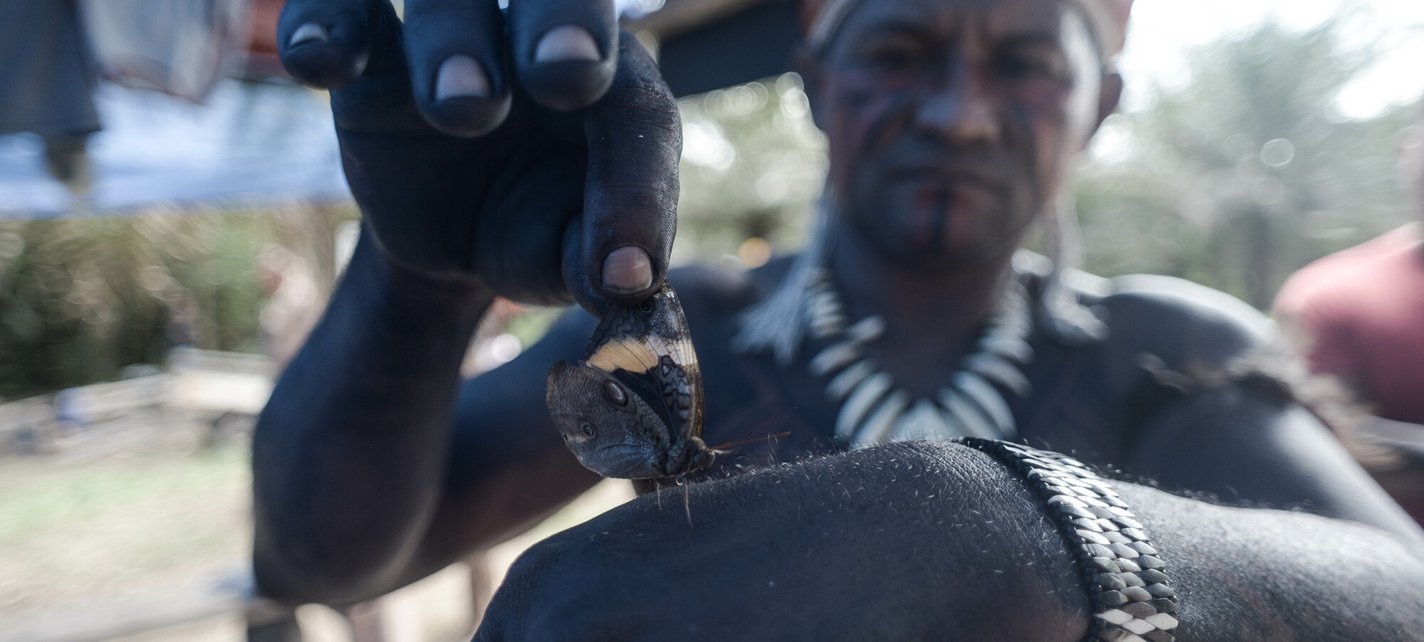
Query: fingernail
point(309, 32)
point(460, 76)
point(627, 270)
point(567, 43)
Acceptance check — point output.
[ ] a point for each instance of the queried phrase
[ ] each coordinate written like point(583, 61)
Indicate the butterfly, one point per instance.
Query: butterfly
point(632, 408)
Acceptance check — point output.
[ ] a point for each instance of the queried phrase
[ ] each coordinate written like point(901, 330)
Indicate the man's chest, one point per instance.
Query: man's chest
point(781, 413)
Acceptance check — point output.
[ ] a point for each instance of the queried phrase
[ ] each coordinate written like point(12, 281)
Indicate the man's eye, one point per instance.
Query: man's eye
point(890, 57)
point(1032, 67)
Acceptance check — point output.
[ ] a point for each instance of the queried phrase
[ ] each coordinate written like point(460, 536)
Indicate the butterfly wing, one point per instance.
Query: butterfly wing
point(633, 407)
point(610, 428)
point(651, 341)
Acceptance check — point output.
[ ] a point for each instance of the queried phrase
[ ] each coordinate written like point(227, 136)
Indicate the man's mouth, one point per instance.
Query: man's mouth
point(950, 177)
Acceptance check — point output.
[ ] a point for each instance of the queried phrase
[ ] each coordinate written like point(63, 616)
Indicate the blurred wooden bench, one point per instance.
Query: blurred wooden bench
point(223, 390)
point(219, 382)
point(104, 401)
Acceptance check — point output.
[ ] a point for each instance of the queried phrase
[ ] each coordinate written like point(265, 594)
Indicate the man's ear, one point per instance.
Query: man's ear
point(812, 76)
point(1109, 94)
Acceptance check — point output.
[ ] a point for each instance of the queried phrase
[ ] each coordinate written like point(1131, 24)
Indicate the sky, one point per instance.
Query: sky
point(1163, 31)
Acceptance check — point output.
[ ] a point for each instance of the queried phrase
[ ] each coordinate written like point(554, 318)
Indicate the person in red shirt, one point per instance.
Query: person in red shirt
point(1358, 315)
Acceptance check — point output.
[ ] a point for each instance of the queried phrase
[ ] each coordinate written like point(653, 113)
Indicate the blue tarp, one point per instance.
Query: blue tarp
point(250, 145)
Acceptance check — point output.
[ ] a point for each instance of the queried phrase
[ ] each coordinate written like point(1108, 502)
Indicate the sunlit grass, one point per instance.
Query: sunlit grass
point(72, 533)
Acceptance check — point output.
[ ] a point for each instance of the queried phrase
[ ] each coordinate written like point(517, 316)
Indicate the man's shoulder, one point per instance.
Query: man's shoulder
point(1181, 322)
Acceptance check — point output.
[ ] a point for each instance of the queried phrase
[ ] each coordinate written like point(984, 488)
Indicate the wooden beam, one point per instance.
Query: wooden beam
point(678, 16)
point(709, 44)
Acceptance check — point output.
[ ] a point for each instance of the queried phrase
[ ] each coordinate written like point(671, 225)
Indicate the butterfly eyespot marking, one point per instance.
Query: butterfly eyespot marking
point(589, 430)
point(615, 393)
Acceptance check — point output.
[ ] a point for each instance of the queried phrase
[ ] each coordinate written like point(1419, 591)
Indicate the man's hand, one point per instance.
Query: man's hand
point(900, 542)
point(535, 150)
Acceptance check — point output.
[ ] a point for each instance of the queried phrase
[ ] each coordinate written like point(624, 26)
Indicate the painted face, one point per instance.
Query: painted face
point(632, 408)
point(951, 123)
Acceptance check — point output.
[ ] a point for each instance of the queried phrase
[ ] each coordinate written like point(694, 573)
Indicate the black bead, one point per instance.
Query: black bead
point(1088, 523)
point(1114, 536)
point(1111, 581)
point(1113, 633)
point(1161, 590)
point(1128, 522)
point(1075, 511)
point(1137, 594)
point(1164, 605)
point(1153, 576)
point(1102, 513)
point(1104, 564)
point(1094, 538)
point(1124, 551)
point(1111, 598)
point(1139, 610)
point(1148, 561)
point(1097, 550)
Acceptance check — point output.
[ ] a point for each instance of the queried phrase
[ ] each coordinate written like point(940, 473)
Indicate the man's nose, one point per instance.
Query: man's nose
point(958, 108)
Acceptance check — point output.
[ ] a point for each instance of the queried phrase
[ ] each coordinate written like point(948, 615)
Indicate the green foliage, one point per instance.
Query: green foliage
point(752, 165)
point(82, 298)
point(1248, 171)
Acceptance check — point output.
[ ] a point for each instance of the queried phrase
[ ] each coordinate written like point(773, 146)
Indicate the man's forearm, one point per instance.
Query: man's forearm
point(349, 453)
point(931, 541)
point(1255, 574)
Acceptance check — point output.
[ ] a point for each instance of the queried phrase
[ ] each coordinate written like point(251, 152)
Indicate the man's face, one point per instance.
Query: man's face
point(952, 122)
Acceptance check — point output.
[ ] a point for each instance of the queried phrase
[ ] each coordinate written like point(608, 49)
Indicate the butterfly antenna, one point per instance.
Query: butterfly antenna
point(686, 500)
point(723, 448)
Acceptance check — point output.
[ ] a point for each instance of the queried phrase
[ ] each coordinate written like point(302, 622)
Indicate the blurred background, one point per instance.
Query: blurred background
point(172, 217)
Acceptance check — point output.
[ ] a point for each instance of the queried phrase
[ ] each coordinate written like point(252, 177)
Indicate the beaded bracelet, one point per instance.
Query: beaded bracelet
point(1125, 578)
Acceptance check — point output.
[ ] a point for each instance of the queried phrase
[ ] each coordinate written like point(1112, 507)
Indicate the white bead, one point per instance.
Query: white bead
point(1163, 621)
point(877, 426)
point(860, 402)
point(1138, 626)
point(1115, 616)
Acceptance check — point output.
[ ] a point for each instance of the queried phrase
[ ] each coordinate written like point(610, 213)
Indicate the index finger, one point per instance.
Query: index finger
point(565, 52)
point(630, 199)
point(326, 43)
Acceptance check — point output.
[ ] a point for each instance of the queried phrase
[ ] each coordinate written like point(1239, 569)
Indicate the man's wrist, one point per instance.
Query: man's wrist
point(1121, 570)
point(405, 285)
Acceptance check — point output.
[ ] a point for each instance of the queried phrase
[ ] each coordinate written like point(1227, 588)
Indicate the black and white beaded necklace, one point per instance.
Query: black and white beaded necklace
point(873, 409)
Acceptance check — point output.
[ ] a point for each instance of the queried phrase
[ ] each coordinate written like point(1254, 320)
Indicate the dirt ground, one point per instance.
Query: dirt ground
point(138, 522)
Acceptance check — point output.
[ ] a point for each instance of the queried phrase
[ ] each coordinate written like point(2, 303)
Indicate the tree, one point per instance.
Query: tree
point(1248, 171)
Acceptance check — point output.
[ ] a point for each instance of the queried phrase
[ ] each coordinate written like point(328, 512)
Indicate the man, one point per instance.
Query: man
point(1357, 315)
point(952, 125)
